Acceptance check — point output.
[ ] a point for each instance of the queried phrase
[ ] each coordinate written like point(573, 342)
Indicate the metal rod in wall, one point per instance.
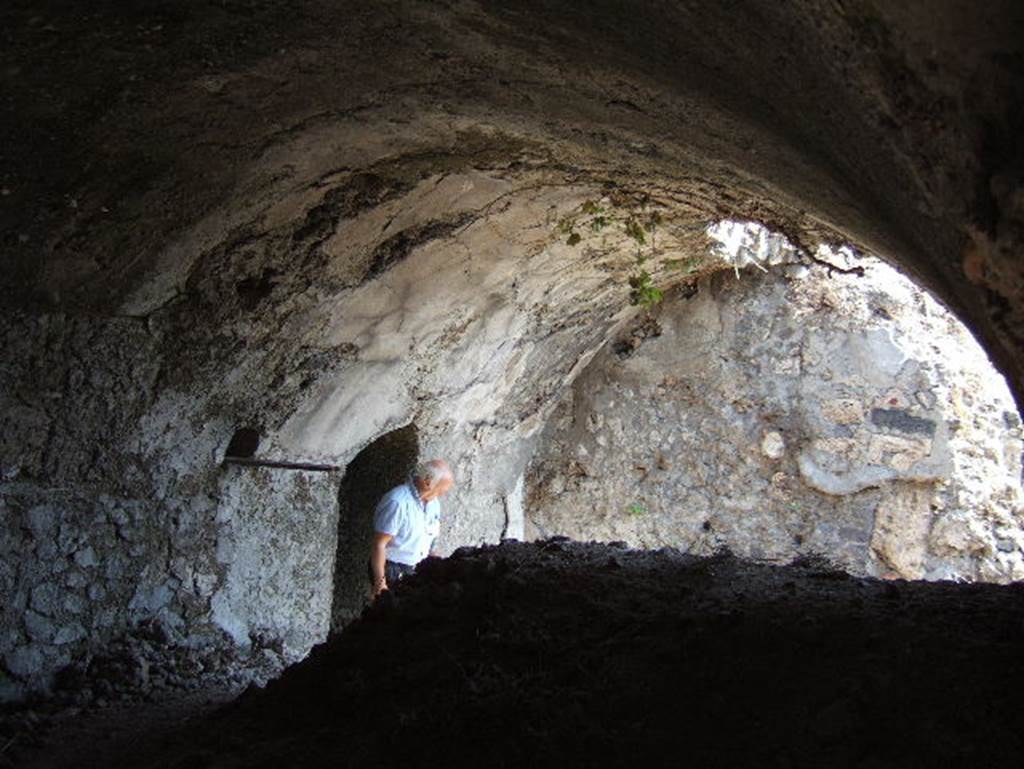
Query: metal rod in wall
point(245, 462)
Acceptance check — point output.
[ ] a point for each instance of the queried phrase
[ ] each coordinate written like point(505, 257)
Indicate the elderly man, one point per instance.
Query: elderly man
point(406, 523)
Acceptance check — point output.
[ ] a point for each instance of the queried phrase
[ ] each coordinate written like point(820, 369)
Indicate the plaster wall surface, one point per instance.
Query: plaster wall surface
point(276, 540)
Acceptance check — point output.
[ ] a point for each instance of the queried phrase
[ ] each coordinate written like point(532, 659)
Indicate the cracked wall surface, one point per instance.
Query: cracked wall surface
point(793, 413)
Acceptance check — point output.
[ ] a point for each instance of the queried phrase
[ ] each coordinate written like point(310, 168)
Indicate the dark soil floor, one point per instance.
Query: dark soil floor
point(561, 653)
point(53, 737)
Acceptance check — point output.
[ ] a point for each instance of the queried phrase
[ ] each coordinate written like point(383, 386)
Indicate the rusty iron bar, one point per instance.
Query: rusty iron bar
point(247, 462)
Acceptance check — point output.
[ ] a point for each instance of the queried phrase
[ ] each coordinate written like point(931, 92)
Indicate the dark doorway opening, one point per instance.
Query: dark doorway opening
point(379, 467)
point(244, 443)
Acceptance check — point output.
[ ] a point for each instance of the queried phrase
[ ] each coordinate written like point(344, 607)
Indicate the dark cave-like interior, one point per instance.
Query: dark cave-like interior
point(626, 266)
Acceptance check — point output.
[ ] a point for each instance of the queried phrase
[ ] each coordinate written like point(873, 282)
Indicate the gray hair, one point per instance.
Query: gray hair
point(433, 472)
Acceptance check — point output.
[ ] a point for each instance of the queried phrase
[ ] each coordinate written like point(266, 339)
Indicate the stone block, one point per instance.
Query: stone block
point(205, 584)
point(897, 452)
point(38, 627)
point(960, 533)
point(74, 604)
point(839, 447)
point(150, 599)
point(69, 634)
point(25, 661)
point(843, 411)
point(86, 558)
point(902, 421)
point(773, 445)
point(116, 566)
point(42, 520)
point(45, 598)
point(46, 550)
point(182, 569)
point(68, 539)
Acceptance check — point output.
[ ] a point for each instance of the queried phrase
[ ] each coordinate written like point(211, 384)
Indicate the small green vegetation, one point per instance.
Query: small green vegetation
point(630, 211)
point(636, 509)
point(636, 231)
point(642, 290)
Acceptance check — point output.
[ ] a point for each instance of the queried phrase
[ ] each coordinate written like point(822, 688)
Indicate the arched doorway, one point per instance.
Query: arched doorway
point(382, 465)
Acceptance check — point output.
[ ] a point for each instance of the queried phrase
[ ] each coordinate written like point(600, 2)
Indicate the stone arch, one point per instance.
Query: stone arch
point(381, 465)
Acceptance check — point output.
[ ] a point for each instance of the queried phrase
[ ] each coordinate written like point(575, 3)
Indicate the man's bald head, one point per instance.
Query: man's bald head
point(433, 479)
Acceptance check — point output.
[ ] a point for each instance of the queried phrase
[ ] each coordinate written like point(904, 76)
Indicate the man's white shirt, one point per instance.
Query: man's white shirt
point(413, 524)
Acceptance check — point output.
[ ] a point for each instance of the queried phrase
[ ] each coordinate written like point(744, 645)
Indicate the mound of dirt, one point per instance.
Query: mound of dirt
point(562, 653)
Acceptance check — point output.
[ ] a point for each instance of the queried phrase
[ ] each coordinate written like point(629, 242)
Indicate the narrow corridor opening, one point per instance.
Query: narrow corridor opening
point(383, 464)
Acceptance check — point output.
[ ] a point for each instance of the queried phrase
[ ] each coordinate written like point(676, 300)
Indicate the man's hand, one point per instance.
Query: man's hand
point(377, 556)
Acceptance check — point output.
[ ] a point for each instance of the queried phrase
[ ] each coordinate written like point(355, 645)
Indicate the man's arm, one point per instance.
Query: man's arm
point(380, 543)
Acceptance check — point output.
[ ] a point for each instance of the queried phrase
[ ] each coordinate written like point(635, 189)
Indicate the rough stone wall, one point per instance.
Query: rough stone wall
point(104, 528)
point(793, 412)
point(76, 539)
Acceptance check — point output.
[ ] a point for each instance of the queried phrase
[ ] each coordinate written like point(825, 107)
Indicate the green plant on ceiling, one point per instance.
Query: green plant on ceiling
point(642, 291)
point(590, 215)
point(629, 214)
